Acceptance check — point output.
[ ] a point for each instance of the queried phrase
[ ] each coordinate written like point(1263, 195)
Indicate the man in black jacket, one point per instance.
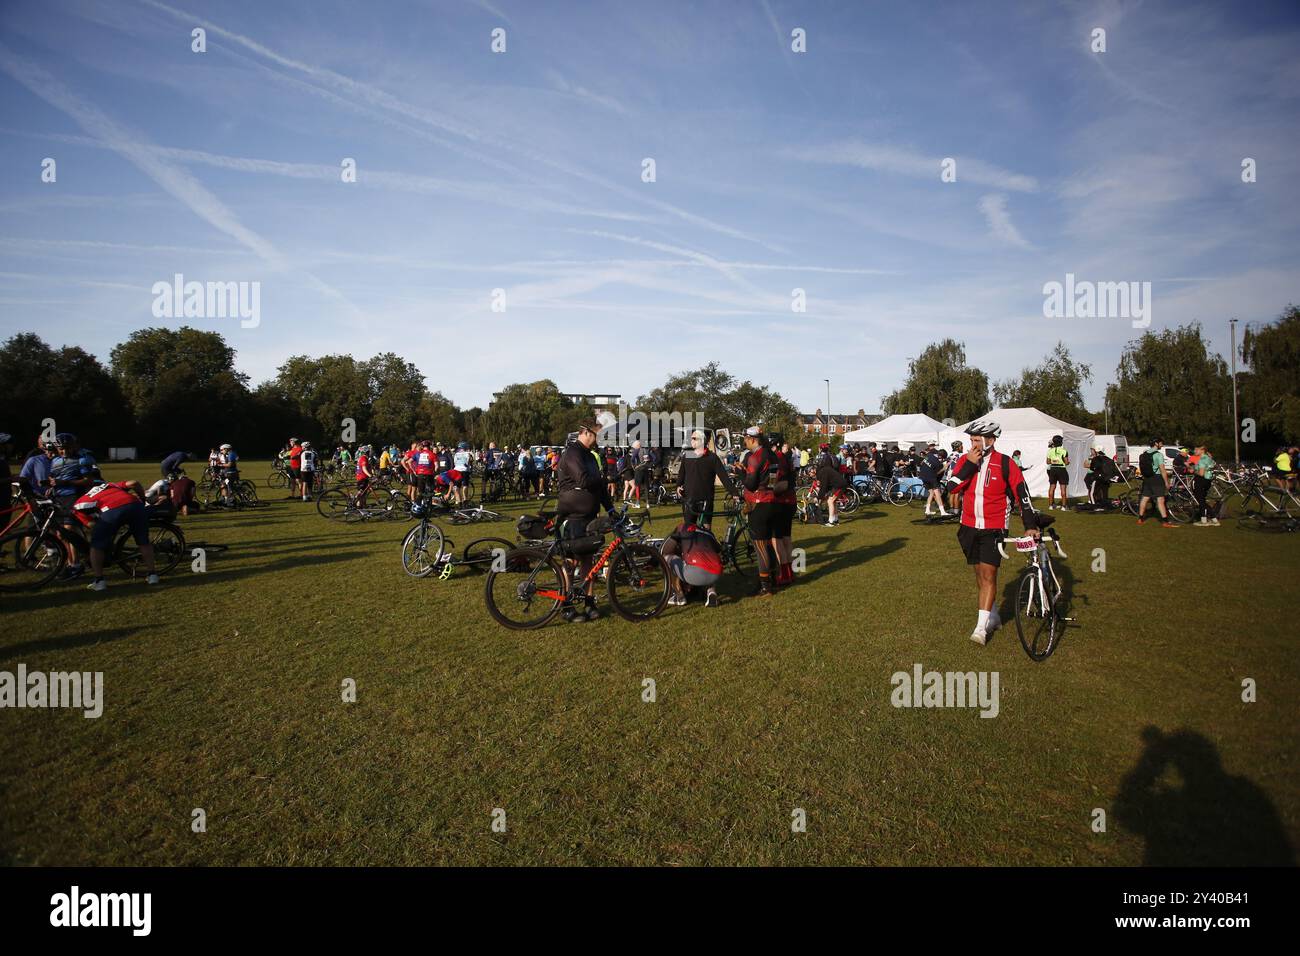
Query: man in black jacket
point(581, 490)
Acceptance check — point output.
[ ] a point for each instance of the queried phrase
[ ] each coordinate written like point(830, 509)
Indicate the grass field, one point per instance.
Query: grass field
point(223, 691)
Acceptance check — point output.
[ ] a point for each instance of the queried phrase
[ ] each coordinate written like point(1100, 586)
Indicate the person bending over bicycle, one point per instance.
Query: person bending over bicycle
point(988, 483)
point(112, 505)
point(228, 472)
point(580, 493)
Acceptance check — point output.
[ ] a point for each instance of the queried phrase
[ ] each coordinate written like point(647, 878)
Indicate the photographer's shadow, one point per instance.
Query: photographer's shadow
point(1204, 817)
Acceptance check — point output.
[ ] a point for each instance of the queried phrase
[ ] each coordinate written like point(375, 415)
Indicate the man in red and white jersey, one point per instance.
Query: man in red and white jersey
point(105, 508)
point(989, 482)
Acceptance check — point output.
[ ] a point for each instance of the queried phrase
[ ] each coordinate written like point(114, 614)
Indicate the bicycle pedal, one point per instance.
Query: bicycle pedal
point(445, 573)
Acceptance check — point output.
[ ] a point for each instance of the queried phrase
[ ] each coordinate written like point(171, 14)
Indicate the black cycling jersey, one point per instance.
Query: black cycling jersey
point(581, 488)
point(696, 474)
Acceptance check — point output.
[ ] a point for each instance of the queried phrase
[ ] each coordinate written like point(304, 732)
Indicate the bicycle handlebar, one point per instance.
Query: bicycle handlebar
point(1043, 537)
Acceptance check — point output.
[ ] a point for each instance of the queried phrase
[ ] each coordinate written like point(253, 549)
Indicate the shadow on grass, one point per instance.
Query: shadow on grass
point(182, 577)
point(1206, 817)
point(820, 564)
point(65, 642)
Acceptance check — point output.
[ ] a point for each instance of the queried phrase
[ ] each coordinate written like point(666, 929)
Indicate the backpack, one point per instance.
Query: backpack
point(1146, 465)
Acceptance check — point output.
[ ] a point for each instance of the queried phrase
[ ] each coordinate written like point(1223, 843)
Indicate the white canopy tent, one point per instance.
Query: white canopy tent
point(1031, 431)
point(905, 429)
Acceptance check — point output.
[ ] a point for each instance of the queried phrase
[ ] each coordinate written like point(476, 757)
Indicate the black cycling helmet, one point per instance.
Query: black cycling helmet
point(1058, 441)
point(64, 438)
point(957, 446)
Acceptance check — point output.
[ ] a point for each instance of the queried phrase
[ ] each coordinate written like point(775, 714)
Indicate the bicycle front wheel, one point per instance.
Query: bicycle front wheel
point(528, 592)
point(29, 561)
point(422, 550)
point(1037, 618)
point(638, 584)
point(897, 494)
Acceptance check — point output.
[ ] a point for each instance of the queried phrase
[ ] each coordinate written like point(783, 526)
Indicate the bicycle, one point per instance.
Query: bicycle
point(341, 504)
point(738, 548)
point(536, 583)
point(423, 547)
point(479, 555)
point(1041, 602)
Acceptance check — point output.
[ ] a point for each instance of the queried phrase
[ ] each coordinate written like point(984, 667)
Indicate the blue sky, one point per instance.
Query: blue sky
point(522, 171)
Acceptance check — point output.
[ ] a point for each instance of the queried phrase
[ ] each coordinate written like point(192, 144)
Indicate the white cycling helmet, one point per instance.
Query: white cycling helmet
point(984, 427)
point(224, 447)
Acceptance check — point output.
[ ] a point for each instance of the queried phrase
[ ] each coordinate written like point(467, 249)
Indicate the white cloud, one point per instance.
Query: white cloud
point(994, 208)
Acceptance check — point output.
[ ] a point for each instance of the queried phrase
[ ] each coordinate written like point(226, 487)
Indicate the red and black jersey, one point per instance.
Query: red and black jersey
point(988, 489)
point(785, 472)
point(761, 466)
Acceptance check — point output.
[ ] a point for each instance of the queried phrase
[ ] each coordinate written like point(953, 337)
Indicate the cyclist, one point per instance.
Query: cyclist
point(1284, 468)
point(307, 469)
point(461, 462)
point(172, 463)
point(1058, 474)
point(932, 466)
point(1154, 469)
point(228, 470)
point(34, 475)
point(830, 482)
point(784, 504)
point(988, 482)
point(958, 450)
point(115, 503)
point(364, 474)
point(580, 492)
point(761, 468)
point(293, 465)
point(1203, 479)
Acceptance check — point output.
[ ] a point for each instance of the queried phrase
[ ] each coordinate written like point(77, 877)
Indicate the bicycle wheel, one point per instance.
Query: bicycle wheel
point(1266, 502)
point(1037, 617)
point(1131, 501)
point(850, 500)
point(529, 592)
point(742, 553)
point(637, 583)
point(896, 494)
point(479, 554)
point(29, 561)
point(1181, 508)
point(422, 550)
point(168, 548)
point(333, 504)
point(277, 479)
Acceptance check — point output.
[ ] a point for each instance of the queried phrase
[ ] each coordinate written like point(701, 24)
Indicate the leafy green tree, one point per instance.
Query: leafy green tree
point(437, 418)
point(534, 413)
point(1055, 386)
point(940, 384)
point(68, 385)
point(1170, 385)
point(397, 388)
point(722, 401)
point(1270, 391)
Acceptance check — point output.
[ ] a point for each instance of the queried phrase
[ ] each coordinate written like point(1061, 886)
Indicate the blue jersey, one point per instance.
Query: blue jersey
point(68, 469)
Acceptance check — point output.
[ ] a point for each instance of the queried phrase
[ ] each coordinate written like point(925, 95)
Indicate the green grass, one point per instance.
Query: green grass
point(223, 692)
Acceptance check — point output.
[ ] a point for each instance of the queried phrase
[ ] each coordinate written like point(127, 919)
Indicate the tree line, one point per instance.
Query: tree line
point(166, 388)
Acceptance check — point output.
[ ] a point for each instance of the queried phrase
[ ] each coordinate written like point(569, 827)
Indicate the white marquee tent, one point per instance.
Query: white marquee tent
point(906, 429)
point(1031, 431)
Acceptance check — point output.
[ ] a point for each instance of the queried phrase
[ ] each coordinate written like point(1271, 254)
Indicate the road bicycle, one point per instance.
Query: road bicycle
point(1041, 602)
point(347, 505)
point(479, 555)
point(279, 476)
point(423, 547)
point(536, 583)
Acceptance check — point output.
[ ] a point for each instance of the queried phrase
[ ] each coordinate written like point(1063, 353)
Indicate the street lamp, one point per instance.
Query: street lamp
point(1236, 422)
point(828, 405)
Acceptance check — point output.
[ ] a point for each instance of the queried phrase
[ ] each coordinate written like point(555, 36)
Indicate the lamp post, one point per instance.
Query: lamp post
point(1236, 422)
point(828, 406)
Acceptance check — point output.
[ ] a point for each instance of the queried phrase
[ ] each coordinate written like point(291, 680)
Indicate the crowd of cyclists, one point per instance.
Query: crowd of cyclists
point(761, 475)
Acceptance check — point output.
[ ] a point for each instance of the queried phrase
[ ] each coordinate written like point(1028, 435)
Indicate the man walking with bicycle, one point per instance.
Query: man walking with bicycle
point(988, 482)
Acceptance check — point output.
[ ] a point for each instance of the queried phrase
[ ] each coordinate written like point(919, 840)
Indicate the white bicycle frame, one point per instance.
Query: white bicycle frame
point(1036, 548)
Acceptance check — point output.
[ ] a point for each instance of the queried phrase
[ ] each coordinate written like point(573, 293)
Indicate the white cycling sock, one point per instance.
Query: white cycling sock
point(983, 620)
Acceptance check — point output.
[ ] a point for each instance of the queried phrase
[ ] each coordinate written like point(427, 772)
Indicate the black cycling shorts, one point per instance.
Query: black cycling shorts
point(1058, 474)
point(760, 520)
point(781, 523)
point(980, 545)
